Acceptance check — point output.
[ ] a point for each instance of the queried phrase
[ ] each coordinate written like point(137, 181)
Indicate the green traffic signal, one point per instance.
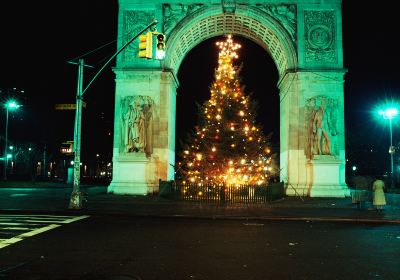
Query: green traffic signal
point(160, 47)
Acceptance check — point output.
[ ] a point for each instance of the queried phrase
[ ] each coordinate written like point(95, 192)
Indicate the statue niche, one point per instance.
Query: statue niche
point(136, 124)
point(320, 126)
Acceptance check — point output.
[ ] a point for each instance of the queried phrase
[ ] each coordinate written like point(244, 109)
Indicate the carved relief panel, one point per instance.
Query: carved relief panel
point(285, 14)
point(134, 22)
point(174, 13)
point(136, 121)
point(319, 36)
point(320, 124)
point(228, 6)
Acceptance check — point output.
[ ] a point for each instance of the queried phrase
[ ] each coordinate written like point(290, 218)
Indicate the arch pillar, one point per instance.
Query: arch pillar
point(138, 172)
point(306, 173)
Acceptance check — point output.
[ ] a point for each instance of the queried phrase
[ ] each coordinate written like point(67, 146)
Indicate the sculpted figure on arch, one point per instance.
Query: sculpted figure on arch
point(134, 136)
point(320, 130)
point(321, 126)
point(136, 124)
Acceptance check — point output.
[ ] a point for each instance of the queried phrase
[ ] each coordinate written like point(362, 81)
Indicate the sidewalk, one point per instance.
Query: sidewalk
point(288, 208)
point(55, 198)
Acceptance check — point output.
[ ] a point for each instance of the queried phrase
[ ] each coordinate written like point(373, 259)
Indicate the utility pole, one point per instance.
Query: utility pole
point(389, 114)
point(76, 195)
point(5, 148)
point(391, 151)
point(10, 105)
point(44, 162)
point(76, 199)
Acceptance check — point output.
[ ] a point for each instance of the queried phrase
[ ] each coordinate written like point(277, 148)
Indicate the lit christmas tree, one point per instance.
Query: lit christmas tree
point(227, 147)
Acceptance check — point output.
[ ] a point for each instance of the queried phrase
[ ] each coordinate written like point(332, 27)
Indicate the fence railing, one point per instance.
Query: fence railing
point(224, 194)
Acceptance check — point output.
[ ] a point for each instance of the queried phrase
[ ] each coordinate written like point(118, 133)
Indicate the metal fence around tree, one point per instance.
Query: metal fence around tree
point(223, 194)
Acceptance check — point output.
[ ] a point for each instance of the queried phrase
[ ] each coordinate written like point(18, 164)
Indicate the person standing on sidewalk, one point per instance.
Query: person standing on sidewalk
point(379, 195)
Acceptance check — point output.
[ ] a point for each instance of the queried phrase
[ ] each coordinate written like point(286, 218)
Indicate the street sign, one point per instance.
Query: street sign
point(67, 148)
point(68, 106)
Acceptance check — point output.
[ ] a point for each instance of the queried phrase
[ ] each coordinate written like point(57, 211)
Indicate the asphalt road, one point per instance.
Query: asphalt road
point(40, 199)
point(122, 247)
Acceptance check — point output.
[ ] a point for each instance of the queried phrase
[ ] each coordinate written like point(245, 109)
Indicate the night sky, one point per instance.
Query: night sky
point(39, 37)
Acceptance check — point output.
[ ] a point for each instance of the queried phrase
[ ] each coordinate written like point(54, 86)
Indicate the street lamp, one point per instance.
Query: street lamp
point(76, 199)
point(389, 114)
point(10, 105)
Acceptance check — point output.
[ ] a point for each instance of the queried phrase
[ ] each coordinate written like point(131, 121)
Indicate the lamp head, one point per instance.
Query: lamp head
point(389, 113)
point(12, 104)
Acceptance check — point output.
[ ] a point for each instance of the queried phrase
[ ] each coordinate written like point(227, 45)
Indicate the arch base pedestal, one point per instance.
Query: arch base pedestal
point(323, 179)
point(129, 175)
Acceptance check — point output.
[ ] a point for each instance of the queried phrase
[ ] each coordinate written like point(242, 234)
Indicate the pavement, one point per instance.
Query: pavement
point(54, 198)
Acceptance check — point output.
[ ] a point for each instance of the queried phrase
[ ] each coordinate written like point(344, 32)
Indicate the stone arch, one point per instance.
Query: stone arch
point(248, 22)
point(303, 37)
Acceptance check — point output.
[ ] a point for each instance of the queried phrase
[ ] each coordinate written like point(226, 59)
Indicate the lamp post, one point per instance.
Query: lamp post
point(389, 114)
point(76, 199)
point(10, 105)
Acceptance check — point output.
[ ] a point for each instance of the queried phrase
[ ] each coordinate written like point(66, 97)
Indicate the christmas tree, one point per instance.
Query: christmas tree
point(227, 147)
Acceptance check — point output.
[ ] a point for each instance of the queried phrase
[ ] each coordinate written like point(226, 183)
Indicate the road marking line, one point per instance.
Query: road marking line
point(17, 228)
point(32, 217)
point(75, 219)
point(37, 231)
point(35, 215)
point(16, 224)
point(39, 221)
point(20, 237)
point(7, 242)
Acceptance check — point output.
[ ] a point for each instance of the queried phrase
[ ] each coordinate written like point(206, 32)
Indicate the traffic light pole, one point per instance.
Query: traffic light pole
point(76, 200)
point(76, 195)
point(118, 52)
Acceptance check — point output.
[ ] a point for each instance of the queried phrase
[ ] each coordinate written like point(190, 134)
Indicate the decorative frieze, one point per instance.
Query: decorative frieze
point(138, 77)
point(173, 13)
point(319, 36)
point(228, 6)
point(134, 22)
point(285, 14)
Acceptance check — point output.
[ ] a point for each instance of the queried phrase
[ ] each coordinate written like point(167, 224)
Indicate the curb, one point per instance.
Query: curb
point(206, 217)
point(281, 218)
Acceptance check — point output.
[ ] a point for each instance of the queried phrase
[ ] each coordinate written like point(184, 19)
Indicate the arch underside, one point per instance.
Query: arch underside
point(260, 29)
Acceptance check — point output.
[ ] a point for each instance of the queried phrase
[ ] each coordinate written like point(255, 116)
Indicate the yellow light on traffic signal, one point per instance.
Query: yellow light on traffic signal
point(146, 45)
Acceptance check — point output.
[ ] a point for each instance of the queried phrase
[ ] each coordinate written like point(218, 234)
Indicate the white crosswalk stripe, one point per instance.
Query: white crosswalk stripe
point(17, 227)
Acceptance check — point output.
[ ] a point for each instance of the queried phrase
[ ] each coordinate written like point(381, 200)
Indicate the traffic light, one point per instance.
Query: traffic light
point(160, 47)
point(146, 45)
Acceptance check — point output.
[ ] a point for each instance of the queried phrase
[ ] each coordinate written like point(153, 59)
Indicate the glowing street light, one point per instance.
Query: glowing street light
point(389, 114)
point(10, 105)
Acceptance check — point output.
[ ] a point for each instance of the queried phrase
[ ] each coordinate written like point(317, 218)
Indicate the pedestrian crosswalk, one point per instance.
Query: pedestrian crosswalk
point(17, 227)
